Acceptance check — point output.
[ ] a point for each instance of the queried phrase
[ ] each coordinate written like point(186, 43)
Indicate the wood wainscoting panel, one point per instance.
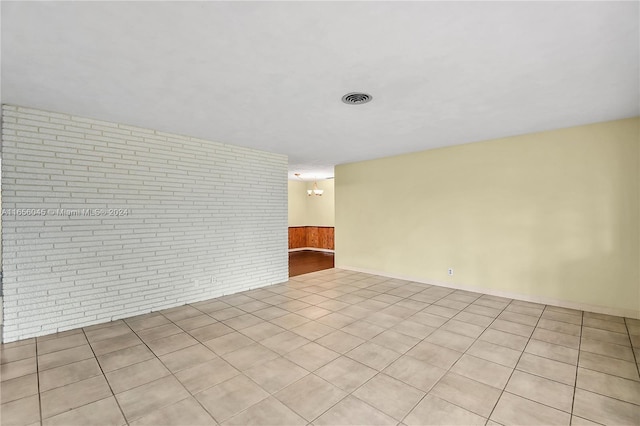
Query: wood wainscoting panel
point(297, 237)
point(325, 238)
point(311, 236)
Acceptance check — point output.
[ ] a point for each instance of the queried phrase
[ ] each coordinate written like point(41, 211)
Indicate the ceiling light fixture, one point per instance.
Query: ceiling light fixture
point(356, 98)
point(315, 190)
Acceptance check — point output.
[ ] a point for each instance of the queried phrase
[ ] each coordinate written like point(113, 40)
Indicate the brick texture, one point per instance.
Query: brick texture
point(103, 221)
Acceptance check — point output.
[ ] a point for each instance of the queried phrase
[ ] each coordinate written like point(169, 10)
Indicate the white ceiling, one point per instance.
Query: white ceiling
point(270, 75)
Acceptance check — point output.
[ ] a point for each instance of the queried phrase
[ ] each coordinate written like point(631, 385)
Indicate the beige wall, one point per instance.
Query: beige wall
point(313, 210)
point(550, 216)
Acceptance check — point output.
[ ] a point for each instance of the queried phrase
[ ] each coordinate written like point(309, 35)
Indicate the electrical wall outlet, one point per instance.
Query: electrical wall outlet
point(450, 271)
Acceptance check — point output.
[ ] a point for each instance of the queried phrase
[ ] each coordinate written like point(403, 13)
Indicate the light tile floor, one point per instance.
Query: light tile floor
point(332, 347)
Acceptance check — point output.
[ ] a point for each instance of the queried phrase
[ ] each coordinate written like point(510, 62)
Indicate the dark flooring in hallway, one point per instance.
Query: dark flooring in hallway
point(305, 261)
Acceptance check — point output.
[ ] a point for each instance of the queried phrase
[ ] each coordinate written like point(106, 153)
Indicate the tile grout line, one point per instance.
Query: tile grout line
point(517, 362)
point(633, 349)
point(38, 381)
point(575, 381)
point(105, 377)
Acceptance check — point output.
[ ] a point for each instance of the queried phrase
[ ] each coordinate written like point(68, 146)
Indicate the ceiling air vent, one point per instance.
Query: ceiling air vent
point(356, 98)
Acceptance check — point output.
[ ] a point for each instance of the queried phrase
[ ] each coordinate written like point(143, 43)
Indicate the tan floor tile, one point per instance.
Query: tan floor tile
point(17, 353)
point(512, 327)
point(539, 389)
point(615, 326)
point(450, 340)
point(289, 321)
point(260, 332)
point(416, 373)
point(228, 343)
point(560, 327)
point(243, 321)
point(18, 388)
point(483, 371)
point(270, 313)
point(180, 313)
point(312, 330)
point(395, 341)
point(311, 356)
point(450, 303)
point(608, 349)
point(53, 345)
point(495, 353)
point(192, 323)
point(435, 355)
point(256, 305)
point(23, 411)
point(146, 399)
point(187, 357)
point(296, 306)
point(346, 373)
point(209, 306)
point(482, 310)
point(284, 342)
point(548, 368)
point(356, 311)
point(171, 343)
point(311, 313)
point(603, 317)
point(605, 364)
point(276, 374)
point(206, 375)
point(441, 311)
point(608, 385)
point(435, 411)
point(124, 357)
point(512, 409)
point(505, 339)
point(558, 309)
point(606, 336)
point(340, 341)
point(518, 318)
point(552, 351)
point(372, 355)
point(579, 421)
point(604, 410)
point(12, 370)
point(466, 393)
point(104, 412)
point(336, 320)
point(492, 301)
point(333, 305)
point(269, 411)
point(229, 398)
point(153, 321)
point(362, 329)
point(310, 396)
point(63, 357)
point(15, 344)
point(115, 344)
point(413, 329)
point(136, 375)
point(247, 357)
point(476, 319)
point(556, 338)
point(525, 310)
point(352, 411)
point(70, 373)
point(389, 395)
point(210, 331)
point(72, 396)
point(560, 316)
point(186, 412)
point(103, 333)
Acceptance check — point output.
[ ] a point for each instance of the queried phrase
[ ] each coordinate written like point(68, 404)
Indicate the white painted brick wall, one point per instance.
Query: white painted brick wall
point(205, 219)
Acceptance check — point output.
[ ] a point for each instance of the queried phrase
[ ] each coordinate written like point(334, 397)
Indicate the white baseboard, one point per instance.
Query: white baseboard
point(628, 313)
point(312, 249)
